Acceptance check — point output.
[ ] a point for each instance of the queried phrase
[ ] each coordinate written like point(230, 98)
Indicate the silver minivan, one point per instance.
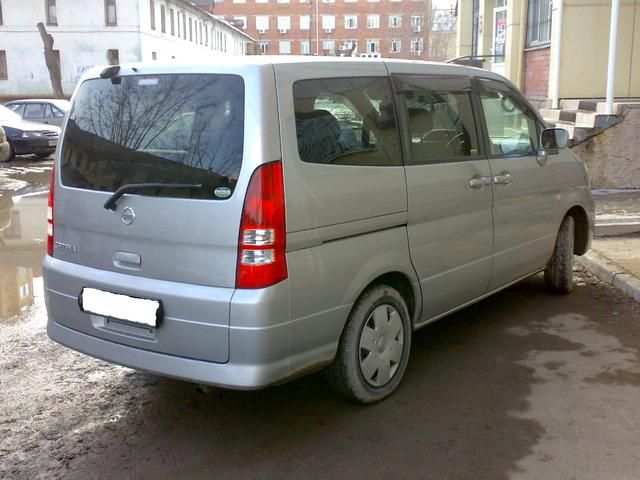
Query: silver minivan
point(241, 223)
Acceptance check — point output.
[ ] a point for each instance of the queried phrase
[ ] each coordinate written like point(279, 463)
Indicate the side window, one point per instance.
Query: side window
point(57, 113)
point(346, 121)
point(18, 108)
point(440, 118)
point(33, 110)
point(511, 125)
point(47, 111)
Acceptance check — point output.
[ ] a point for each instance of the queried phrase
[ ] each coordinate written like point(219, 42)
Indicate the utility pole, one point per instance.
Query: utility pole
point(311, 17)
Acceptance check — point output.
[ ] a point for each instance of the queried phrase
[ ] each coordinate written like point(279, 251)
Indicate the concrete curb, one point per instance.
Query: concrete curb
point(608, 228)
point(611, 273)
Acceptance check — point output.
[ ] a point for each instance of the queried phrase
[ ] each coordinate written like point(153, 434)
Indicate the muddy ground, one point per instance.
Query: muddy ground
point(522, 385)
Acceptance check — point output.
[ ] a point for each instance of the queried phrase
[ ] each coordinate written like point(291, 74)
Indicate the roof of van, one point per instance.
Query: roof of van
point(266, 60)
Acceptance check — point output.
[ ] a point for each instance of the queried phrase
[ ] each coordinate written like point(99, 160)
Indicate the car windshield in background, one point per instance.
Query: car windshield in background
point(184, 129)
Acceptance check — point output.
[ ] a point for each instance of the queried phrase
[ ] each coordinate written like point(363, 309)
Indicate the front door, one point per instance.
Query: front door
point(523, 194)
point(449, 191)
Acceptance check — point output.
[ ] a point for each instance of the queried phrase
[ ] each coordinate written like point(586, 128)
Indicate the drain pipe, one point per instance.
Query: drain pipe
point(557, 41)
point(611, 67)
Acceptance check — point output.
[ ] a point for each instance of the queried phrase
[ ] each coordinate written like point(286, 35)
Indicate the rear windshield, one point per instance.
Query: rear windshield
point(185, 129)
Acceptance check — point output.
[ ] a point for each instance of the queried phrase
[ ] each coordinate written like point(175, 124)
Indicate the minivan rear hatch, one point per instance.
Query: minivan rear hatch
point(178, 139)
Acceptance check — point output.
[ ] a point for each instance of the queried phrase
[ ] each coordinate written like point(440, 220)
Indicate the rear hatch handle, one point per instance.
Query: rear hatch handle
point(110, 204)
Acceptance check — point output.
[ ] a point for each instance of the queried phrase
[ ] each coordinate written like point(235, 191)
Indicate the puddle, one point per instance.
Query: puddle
point(23, 233)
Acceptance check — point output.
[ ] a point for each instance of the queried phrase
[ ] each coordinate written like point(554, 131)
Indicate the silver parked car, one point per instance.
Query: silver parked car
point(40, 110)
point(243, 224)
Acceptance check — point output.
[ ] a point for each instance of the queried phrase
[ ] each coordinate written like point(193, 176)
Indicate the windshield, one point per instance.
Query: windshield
point(156, 129)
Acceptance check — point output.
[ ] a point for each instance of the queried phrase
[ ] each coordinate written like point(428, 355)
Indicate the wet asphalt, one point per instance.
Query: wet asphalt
point(523, 385)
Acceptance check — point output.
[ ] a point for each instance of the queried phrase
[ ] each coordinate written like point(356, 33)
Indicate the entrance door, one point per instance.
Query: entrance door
point(499, 38)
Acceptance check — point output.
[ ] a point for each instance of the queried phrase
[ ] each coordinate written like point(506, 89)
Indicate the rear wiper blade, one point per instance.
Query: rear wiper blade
point(110, 204)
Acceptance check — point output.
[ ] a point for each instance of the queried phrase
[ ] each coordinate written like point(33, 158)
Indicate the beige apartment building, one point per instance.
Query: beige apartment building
point(378, 28)
point(555, 47)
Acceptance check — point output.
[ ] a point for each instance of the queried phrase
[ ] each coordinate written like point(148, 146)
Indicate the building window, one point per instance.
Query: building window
point(395, 46)
point(283, 1)
point(154, 55)
point(395, 21)
point(206, 35)
point(110, 18)
point(240, 22)
point(304, 47)
point(1, 22)
point(328, 47)
point(113, 56)
point(350, 47)
point(328, 1)
point(284, 24)
point(190, 29)
point(52, 14)
point(172, 23)
point(152, 14)
point(373, 46)
point(350, 21)
point(239, 1)
point(184, 26)
point(305, 22)
point(284, 46)
point(264, 47)
point(262, 1)
point(328, 23)
point(163, 19)
point(416, 46)
point(350, 1)
point(416, 22)
point(262, 23)
point(539, 23)
point(373, 21)
point(3, 65)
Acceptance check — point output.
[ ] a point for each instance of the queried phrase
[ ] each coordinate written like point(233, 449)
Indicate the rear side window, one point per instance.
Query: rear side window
point(440, 118)
point(186, 129)
point(346, 121)
point(34, 110)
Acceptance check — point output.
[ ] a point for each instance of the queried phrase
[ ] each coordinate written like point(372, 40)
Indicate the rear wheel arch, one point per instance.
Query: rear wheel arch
point(402, 284)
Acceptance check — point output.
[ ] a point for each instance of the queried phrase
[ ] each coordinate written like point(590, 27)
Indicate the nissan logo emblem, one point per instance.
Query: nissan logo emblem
point(128, 216)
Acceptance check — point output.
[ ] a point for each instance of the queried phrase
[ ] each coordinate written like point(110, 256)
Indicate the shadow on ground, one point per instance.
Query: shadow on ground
point(455, 415)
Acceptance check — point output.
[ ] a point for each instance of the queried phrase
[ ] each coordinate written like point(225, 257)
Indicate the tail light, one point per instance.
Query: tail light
point(52, 183)
point(262, 243)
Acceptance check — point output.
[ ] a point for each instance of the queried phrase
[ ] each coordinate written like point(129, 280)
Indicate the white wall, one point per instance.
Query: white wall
point(83, 40)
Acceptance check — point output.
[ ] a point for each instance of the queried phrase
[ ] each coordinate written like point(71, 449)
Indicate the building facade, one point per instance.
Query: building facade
point(554, 48)
point(89, 33)
point(379, 28)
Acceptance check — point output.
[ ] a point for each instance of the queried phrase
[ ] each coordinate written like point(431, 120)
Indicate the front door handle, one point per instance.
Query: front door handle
point(504, 178)
point(477, 182)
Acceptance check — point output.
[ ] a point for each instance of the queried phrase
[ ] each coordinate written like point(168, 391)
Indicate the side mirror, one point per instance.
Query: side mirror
point(554, 138)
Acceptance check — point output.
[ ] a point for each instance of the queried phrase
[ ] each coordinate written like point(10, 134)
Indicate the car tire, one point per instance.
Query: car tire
point(374, 348)
point(558, 276)
point(43, 155)
point(12, 153)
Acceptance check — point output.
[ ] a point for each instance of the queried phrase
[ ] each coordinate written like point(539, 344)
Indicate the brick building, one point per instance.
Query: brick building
point(385, 28)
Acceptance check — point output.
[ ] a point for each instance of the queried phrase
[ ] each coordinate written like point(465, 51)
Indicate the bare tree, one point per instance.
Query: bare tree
point(52, 60)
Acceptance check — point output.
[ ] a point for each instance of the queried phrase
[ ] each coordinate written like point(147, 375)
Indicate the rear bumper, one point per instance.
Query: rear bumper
point(217, 336)
point(229, 375)
point(34, 146)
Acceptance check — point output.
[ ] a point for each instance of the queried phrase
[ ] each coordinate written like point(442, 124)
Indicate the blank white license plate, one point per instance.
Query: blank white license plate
point(120, 307)
point(53, 143)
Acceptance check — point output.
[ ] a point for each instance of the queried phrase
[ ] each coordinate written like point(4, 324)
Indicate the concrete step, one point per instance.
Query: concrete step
point(583, 118)
point(594, 105)
point(576, 132)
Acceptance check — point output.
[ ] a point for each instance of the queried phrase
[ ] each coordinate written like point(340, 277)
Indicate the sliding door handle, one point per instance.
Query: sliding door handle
point(477, 182)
